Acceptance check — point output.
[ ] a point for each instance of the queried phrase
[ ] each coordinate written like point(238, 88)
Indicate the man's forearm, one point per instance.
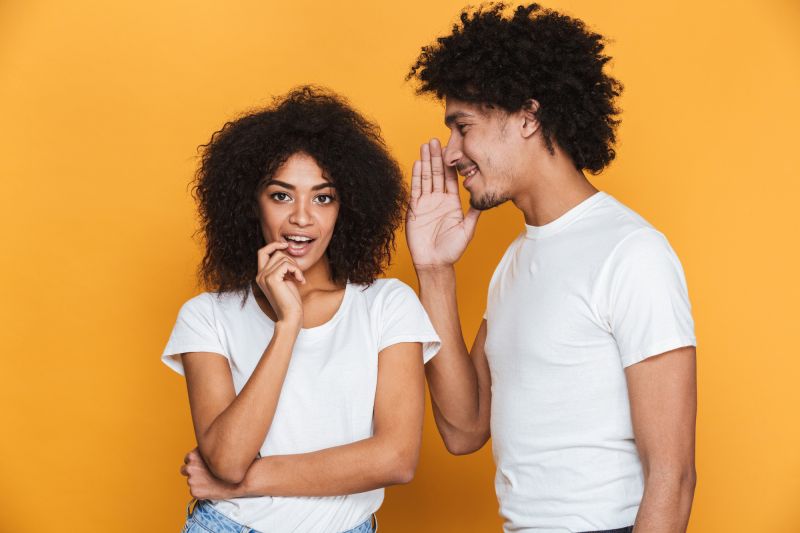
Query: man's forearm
point(358, 467)
point(451, 375)
point(667, 502)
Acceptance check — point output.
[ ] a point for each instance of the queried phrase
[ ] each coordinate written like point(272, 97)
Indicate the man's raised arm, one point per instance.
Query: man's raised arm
point(438, 232)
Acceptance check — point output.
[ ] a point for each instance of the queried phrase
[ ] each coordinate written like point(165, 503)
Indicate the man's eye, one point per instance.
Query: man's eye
point(462, 128)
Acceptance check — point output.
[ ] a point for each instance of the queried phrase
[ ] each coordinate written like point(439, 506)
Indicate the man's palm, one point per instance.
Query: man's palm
point(437, 231)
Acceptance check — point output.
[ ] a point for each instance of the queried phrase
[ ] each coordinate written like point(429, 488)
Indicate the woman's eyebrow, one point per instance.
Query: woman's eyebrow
point(323, 185)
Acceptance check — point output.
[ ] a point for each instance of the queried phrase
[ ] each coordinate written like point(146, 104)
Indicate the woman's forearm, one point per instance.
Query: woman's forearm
point(357, 467)
point(232, 441)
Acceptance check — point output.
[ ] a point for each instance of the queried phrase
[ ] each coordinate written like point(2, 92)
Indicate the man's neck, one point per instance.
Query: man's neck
point(551, 190)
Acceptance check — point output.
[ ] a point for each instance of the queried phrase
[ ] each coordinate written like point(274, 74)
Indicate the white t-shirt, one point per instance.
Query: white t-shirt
point(570, 305)
point(328, 395)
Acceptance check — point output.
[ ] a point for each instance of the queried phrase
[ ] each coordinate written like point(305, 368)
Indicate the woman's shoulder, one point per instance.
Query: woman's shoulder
point(385, 290)
point(383, 286)
point(213, 303)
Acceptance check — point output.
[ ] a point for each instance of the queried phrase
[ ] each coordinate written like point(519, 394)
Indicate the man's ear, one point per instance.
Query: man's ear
point(530, 124)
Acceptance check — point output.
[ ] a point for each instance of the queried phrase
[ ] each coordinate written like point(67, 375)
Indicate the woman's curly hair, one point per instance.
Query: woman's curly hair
point(241, 157)
point(535, 53)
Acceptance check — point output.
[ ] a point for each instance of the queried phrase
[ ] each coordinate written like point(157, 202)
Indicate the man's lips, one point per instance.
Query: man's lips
point(468, 174)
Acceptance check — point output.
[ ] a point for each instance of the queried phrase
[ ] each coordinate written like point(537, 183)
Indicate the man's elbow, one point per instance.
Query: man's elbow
point(679, 477)
point(464, 443)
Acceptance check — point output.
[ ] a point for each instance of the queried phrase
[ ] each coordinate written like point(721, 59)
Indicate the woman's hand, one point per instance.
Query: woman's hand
point(437, 231)
point(278, 275)
point(203, 485)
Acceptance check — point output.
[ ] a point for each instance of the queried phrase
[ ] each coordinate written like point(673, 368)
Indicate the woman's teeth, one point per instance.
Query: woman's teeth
point(298, 245)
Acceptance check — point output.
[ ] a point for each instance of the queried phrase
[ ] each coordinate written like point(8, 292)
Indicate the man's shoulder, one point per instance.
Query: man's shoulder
point(608, 225)
point(617, 218)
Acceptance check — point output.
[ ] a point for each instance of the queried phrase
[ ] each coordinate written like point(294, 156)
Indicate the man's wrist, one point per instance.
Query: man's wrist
point(433, 271)
point(435, 275)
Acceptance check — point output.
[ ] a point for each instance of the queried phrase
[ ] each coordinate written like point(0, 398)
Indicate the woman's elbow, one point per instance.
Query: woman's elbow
point(224, 468)
point(402, 465)
point(233, 476)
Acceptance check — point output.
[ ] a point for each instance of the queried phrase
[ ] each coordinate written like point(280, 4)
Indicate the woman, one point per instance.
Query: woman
point(304, 371)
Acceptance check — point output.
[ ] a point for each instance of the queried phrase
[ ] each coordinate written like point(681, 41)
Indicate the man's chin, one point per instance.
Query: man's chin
point(485, 202)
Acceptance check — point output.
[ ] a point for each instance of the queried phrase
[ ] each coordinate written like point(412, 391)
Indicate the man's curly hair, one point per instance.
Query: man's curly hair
point(534, 53)
point(246, 152)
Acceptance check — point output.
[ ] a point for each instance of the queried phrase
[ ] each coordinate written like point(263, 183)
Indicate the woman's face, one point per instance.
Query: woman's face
point(299, 205)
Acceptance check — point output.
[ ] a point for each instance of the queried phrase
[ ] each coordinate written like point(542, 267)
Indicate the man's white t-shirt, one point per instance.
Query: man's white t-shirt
point(570, 305)
point(328, 395)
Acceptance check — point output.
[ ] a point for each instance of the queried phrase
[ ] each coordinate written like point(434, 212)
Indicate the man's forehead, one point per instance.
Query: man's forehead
point(456, 109)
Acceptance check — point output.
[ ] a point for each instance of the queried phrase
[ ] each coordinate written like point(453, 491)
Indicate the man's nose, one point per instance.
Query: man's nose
point(452, 154)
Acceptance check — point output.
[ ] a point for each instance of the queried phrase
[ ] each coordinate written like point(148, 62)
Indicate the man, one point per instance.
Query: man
point(583, 369)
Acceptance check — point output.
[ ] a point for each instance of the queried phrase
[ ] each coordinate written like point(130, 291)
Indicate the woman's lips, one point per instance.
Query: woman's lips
point(298, 249)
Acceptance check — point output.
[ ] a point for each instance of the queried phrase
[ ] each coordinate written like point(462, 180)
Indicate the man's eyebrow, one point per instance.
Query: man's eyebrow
point(452, 117)
point(291, 187)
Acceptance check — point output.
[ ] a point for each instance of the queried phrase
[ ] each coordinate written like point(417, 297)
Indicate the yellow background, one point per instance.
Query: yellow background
point(102, 106)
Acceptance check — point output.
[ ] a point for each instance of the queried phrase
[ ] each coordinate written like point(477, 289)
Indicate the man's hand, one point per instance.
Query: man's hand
point(437, 231)
point(202, 483)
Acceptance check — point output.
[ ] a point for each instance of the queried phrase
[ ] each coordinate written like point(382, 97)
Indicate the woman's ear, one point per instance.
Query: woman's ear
point(530, 124)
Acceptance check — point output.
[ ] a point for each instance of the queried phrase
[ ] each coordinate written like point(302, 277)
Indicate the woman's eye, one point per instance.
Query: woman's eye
point(280, 196)
point(324, 199)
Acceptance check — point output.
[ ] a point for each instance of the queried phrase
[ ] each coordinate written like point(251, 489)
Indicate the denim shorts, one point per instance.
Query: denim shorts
point(205, 519)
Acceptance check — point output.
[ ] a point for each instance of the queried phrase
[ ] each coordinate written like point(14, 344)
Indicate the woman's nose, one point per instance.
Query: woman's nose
point(300, 215)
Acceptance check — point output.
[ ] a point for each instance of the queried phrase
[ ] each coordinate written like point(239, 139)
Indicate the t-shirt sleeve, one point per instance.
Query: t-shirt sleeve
point(403, 319)
point(194, 331)
point(644, 299)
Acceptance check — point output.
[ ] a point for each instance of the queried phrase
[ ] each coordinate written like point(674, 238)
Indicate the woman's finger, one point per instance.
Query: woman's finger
point(265, 252)
point(276, 257)
point(287, 266)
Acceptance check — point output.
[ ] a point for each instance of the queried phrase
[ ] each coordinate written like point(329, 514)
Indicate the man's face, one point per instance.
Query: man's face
point(481, 151)
point(299, 205)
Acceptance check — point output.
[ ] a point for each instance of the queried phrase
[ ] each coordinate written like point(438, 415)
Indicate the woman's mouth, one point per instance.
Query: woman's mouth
point(298, 244)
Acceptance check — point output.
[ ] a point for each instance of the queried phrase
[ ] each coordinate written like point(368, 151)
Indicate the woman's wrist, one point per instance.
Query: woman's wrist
point(251, 486)
point(290, 326)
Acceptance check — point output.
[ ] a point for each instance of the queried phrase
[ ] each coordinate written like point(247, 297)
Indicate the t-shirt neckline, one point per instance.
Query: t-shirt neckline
point(551, 228)
point(316, 330)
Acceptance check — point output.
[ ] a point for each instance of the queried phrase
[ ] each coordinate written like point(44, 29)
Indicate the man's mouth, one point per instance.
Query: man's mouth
point(468, 174)
point(298, 244)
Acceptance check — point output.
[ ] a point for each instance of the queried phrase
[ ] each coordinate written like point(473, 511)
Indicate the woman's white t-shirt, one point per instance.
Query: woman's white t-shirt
point(328, 395)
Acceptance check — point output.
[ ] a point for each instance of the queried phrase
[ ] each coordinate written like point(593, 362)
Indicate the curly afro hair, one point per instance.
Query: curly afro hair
point(534, 53)
point(246, 152)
